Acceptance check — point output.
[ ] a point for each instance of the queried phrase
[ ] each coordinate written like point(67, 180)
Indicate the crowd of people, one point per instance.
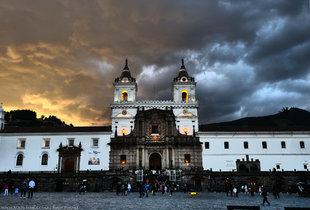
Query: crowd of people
point(251, 189)
point(147, 187)
point(23, 188)
point(154, 182)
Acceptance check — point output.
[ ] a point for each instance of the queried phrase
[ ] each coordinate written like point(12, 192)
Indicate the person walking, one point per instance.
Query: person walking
point(153, 188)
point(31, 186)
point(264, 194)
point(82, 188)
point(185, 188)
point(238, 190)
point(235, 191)
point(162, 188)
point(118, 187)
point(123, 189)
point(171, 188)
point(275, 192)
point(252, 190)
point(228, 187)
point(141, 189)
point(12, 189)
point(300, 189)
point(6, 190)
point(147, 188)
point(128, 188)
point(23, 189)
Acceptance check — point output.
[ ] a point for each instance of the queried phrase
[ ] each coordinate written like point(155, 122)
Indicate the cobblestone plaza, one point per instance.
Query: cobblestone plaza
point(109, 200)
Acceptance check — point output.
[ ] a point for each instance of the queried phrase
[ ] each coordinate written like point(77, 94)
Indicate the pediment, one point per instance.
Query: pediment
point(124, 115)
point(186, 114)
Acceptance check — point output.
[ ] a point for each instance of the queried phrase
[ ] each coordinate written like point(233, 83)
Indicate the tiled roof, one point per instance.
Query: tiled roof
point(13, 129)
point(210, 128)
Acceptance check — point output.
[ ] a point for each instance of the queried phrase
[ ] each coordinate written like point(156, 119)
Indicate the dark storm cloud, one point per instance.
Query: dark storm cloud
point(61, 57)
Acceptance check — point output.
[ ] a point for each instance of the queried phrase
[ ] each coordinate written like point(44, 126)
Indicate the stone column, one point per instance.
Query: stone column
point(77, 165)
point(173, 161)
point(143, 158)
point(137, 159)
point(167, 159)
point(59, 164)
point(146, 163)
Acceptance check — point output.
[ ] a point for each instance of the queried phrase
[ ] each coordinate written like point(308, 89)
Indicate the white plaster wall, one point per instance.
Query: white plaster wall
point(103, 148)
point(33, 151)
point(123, 121)
point(184, 121)
point(291, 158)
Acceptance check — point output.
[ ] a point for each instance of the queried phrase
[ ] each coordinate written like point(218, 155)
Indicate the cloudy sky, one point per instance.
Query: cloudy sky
point(249, 58)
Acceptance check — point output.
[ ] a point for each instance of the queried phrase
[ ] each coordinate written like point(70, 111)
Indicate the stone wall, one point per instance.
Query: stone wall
point(215, 181)
point(99, 181)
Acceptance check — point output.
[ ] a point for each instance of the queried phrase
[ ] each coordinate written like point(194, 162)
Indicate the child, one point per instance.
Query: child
point(16, 191)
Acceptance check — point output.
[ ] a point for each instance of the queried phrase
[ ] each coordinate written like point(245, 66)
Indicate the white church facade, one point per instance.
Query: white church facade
point(160, 135)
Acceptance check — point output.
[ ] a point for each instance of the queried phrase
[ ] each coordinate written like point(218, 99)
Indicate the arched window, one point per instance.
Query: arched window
point(44, 159)
point(124, 96)
point(19, 160)
point(184, 96)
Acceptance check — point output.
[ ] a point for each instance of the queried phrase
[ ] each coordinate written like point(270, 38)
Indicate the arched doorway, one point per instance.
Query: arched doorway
point(254, 168)
point(155, 161)
point(69, 165)
point(243, 168)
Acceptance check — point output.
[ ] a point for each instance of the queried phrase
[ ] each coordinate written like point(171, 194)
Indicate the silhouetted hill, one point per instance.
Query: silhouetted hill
point(28, 118)
point(287, 119)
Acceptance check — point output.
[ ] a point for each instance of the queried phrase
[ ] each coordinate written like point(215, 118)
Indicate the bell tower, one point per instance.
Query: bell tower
point(123, 105)
point(184, 98)
point(184, 87)
point(125, 86)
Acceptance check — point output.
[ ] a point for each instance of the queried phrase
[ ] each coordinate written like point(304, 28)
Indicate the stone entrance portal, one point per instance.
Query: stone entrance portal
point(155, 161)
point(69, 158)
point(69, 165)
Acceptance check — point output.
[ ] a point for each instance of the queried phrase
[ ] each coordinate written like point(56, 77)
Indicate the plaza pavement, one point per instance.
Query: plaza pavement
point(109, 200)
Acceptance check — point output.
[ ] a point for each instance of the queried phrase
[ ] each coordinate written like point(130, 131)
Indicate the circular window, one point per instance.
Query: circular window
point(183, 79)
point(125, 79)
point(124, 112)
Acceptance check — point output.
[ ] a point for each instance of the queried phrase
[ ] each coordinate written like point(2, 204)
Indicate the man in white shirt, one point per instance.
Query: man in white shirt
point(31, 186)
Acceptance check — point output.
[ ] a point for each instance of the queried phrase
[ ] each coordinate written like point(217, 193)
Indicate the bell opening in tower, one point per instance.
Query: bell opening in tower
point(184, 96)
point(124, 96)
